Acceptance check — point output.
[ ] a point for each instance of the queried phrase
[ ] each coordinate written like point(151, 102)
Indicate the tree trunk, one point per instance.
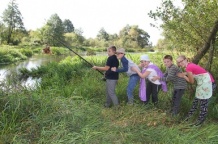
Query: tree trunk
point(211, 53)
point(9, 36)
point(201, 52)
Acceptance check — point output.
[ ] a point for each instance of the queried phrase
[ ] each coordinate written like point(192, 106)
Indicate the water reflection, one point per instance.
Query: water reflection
point(33, 62)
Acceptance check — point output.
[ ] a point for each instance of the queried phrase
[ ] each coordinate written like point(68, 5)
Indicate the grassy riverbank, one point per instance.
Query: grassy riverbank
point(12, 54)
point(68, 108)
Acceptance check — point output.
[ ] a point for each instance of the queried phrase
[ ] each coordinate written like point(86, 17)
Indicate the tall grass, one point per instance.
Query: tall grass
point(67, 107)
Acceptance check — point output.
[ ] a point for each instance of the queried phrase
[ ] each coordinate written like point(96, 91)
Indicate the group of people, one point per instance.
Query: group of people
point(152, 79)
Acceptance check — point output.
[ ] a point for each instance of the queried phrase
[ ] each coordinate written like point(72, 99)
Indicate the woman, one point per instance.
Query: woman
point(152, 87)
point(203, 90)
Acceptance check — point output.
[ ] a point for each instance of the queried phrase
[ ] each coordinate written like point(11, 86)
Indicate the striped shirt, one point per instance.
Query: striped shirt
point(170, 75)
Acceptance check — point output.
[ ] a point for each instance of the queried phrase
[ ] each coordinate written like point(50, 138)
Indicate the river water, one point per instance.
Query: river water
point(33, 62)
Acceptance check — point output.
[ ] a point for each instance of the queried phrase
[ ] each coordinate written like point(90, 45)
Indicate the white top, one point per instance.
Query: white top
point(152, 74)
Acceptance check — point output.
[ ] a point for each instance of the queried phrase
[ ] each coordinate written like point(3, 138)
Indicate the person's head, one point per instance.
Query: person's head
point(120, 53)
point(168, 60)
point(144, 59)
point(111, 50)
point(182, 61)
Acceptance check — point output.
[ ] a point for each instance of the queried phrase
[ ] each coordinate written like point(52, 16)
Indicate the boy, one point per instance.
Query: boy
point(111, 77)
point(126, 67)
point(178, 83)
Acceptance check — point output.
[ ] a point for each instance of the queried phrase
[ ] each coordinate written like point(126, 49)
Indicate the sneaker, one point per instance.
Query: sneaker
point(106, 106)
point(129, 103)
point(198, 123)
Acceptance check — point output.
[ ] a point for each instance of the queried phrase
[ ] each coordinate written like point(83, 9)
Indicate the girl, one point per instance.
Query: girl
point(203, 90)
point(152, 87)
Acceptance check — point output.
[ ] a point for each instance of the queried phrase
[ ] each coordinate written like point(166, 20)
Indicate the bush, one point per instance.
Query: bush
point(26, 52)
point(90, 52)
point(5, 59)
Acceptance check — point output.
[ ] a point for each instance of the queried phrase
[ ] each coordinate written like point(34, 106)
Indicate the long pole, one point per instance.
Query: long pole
point(76, 54)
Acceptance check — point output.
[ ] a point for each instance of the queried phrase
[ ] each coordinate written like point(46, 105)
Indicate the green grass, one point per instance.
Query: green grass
point(68, 108)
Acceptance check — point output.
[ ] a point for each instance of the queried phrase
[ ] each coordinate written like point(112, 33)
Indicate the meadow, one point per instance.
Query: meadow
point(67, 107)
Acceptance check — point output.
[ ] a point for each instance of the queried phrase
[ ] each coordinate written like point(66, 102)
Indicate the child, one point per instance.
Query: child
point(203, 89)
point(178, 83)
point(111, 77)
point(126, 67)
point(152, 88)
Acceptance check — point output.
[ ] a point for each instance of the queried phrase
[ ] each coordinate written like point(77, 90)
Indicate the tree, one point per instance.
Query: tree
point(53, 31)
point(192, 27)
point(133, 36)
point(68, 26)
point(3, 35)
point(12, 19)
point(103, 35)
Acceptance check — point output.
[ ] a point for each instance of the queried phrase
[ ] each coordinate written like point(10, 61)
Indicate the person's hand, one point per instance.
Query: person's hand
point(134, 69)
point(140, 65)
point(181, 74)
point(155, 78)
point(94, 67)
point(113, 69)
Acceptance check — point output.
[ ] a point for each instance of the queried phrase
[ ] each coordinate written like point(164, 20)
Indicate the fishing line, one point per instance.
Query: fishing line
point(77, 54)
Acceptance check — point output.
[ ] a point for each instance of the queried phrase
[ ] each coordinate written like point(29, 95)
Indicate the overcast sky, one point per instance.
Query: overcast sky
point(90, 15)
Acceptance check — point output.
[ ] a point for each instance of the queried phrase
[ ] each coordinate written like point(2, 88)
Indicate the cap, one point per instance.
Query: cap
point(120, 50)
point(145, 58)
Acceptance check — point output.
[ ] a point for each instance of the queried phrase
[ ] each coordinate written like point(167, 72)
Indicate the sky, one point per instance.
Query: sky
point(90, 15)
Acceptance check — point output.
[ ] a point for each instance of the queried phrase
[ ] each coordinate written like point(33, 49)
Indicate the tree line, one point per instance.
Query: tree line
point(13, 32)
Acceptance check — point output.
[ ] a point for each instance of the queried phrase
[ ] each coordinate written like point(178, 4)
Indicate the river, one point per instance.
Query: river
point(33, 62)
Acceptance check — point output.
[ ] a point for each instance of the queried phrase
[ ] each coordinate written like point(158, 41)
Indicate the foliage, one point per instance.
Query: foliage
point(103, 35)
point(74, 39)
point(26, 52)
point(12, 20)
point(186, 28)
point(53, 31)
point(90, 52)
point(59, 50)
point(133, 36)
point(11, 55)
point(68, 26)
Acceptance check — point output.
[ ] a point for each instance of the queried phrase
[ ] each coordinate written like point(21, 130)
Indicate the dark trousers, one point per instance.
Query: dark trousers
point(152, 89)
point(176, 99)
point(203, 108)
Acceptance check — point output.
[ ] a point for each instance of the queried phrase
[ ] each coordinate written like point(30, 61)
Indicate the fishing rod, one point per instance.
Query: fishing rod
point(77, 54)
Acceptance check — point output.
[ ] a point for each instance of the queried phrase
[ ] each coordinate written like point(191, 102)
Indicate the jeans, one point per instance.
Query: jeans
point(133, 80)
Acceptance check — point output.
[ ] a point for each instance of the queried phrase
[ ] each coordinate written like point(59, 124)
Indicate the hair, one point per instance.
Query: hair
point(182, 56)
point(168, 57)
point(113, 48)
